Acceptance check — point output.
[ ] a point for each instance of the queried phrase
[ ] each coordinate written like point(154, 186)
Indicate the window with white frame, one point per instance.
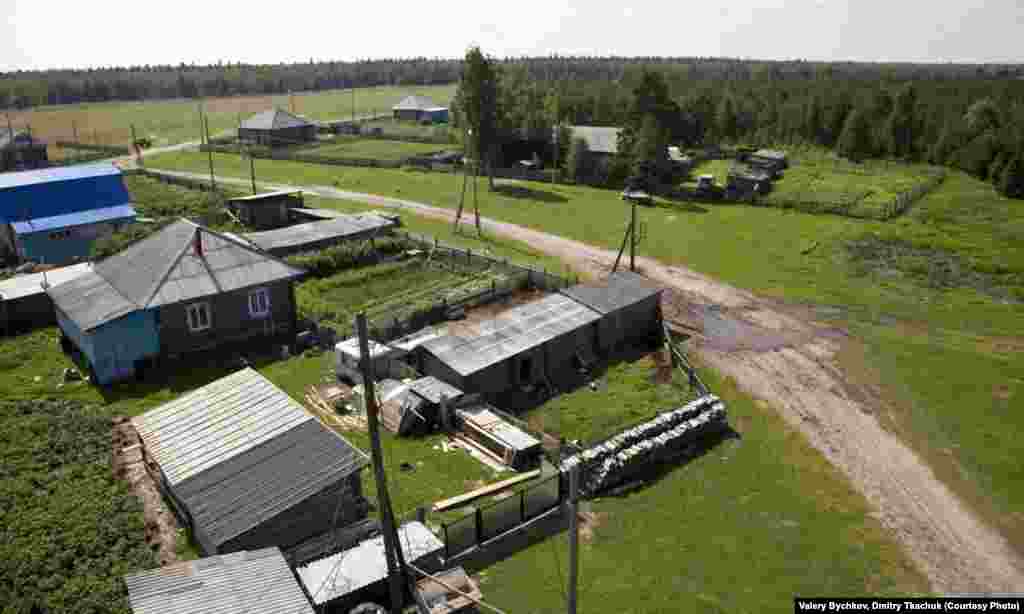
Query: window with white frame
point(198, 316)
point(259, 303)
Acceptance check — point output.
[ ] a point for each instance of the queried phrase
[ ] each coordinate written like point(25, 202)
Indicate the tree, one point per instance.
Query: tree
point(855, 142)
point(576, 160)
point(901, 127)
point(983, 116)
point(650, 153)
point(1012, 182)
point(725, 118)
point(478, 104)
point(814, 122)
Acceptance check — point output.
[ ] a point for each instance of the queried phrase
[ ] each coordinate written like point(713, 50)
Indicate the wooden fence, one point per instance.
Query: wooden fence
point(115, 150)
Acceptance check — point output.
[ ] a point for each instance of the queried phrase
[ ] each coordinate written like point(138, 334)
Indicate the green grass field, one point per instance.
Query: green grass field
point(174, 121)
point(392, 127)
point(951, 268)
point(376, 149)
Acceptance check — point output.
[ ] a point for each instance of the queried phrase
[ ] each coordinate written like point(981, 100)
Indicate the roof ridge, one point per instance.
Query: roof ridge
point(167, 272)
point(254, 250)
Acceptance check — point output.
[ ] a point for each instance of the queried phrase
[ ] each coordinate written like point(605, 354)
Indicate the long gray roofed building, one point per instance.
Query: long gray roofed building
point(599, 139)
point(274, 119)
point(629, 305)
point(248, 467)
point(317, 235)
point(165, 268)
point(257, 582)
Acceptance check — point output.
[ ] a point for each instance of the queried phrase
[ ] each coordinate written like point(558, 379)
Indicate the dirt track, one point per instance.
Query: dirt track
point(779, 354)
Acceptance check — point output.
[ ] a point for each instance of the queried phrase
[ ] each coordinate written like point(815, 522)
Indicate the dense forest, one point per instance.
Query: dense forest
point(967, 116)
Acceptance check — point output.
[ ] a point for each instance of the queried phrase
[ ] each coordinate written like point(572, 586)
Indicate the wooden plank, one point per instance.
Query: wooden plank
point(483, 491)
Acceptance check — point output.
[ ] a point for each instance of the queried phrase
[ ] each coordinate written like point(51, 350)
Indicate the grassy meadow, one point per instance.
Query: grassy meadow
point(950, 270)
point(376, 149)
point(168, 122)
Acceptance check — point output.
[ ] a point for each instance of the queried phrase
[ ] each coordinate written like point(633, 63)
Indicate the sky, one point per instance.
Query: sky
point(38, 35)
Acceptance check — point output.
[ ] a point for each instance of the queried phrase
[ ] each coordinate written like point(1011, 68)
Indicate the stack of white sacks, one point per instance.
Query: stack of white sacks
point(656, 440)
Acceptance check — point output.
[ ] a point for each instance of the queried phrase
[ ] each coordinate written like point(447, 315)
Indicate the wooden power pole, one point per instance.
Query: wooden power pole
point(632, 238)
point(391, 546)
point(209, 151)
point(574, 535)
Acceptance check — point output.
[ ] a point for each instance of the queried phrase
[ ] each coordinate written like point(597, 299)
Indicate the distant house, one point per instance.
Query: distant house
point(277, 127)
point(600, 140)
point(267, 210)
point(180, 290)
point(747, 181)
point(245, 466)
point(256, 582)
point(20, 151)
point(420, 108)
point(769, 161)
point(54, 215)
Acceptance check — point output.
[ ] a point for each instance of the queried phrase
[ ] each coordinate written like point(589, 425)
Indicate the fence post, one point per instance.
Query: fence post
point(522, 505)
point(447, 552)
point(479, 525)
point(494, 290)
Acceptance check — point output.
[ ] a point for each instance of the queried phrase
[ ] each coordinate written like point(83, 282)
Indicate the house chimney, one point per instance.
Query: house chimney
point(197, 241)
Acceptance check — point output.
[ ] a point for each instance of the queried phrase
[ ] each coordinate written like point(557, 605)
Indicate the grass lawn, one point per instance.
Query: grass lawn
point(952, 267)
point(744, 528)
point(174, 121)
point(375, 149)
point(392, 127)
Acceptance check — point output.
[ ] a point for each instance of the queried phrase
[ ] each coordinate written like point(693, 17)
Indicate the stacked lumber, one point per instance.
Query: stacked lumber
point(322, 401)
point(664, 438)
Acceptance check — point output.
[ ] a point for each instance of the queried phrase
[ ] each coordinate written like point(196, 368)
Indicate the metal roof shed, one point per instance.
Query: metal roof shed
point(318, 235)
point(266, 210)
point(532, 345)
point(257, 582)
point(629, 305)
point(24, 303)
point(247, 467)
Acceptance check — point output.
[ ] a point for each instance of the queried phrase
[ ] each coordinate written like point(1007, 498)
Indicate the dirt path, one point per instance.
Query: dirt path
point(779, 354)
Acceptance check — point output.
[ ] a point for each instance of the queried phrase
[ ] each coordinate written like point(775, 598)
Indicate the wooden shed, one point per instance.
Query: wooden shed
point(277, 127)
point(629, 305)
point(21, 151)
point(266, 210)
point(421, 109)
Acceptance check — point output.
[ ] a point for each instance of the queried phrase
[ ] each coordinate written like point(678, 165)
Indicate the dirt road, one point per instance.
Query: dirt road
point(779, 354)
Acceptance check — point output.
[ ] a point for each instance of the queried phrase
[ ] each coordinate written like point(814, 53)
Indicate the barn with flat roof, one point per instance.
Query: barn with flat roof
point(245, 466)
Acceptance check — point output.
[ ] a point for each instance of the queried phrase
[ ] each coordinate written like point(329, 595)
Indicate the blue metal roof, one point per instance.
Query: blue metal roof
point(81, 218)
point(59, 173)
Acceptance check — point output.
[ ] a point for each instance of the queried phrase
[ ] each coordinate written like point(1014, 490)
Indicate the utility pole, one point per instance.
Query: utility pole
point(209, 152)
point(395, 573)
point(574, 562)
point(353, 104)
point(10, 127)
point(202, 124)
point(632, 239)
point(252, 171)
point(74, 131)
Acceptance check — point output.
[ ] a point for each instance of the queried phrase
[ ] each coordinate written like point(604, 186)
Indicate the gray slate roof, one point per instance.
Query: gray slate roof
point(263, 196)
point(275, 119)
point(31, 284)
point(164, 268)
point(619, 290)
point(512, 333)
point(240, 451)
point(256, 582)
point(599, 139)
point(340, 228)
point(415, 103)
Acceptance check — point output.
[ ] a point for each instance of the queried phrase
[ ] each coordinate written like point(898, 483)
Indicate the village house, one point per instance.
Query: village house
point(55, 215)
point(277, 127)
point(420, 109)
point(21, 151)
point(183, 289)
point(266, 210)
point(244, 466)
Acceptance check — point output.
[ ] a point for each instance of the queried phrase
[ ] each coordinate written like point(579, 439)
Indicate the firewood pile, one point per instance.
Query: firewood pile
point(323, 400)
point(661, 439)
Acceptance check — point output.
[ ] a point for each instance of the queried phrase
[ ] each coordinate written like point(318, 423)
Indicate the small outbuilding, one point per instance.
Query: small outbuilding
point(743, 182)
point(24, 304)
point(532, 346)
point(600, 140)
point(251, 582)
point(20, 151)
point(244, 466)
point(180, 290)
point(321, 234)
point(769, 159)
point(630, 308)
point(277, 127)
point(420, 109)
point(387, 360)
point(266, 210)
point(358, 575)
point(55, 215)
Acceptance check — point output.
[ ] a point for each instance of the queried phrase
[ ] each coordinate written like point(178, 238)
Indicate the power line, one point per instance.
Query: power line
point(455, 590)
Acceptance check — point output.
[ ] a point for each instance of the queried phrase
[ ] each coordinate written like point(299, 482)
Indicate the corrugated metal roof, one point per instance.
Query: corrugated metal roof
point(599, 139)
point(350, 347)
point(773, 154)
point(274, 119)
point(27, 285)
point(416, 103)
point(164, 268)
point(324, 214)
point(619, 290)
point(510, 435)
point(80, 218)
point(511, 333)
point(431, 389)
point(89, 300)
point(239, 451)
point(412, 341)
point(58, 173)
point(300, 235)
point(263, 196)
point(340, 574)
point(256, 582)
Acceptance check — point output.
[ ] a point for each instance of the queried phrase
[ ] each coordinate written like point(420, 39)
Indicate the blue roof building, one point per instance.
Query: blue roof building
point(54, 215)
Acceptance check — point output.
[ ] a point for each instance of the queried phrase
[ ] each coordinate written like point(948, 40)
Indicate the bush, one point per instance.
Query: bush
point(326, 262)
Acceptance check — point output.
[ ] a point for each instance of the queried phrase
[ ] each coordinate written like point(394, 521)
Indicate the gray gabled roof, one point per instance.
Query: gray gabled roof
point(415, 103)
point(255, 582)
point(338, 228)
point(166, 268)
point(240, 451)
point(621, 289)
point(512, 333)
point(275, 119)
